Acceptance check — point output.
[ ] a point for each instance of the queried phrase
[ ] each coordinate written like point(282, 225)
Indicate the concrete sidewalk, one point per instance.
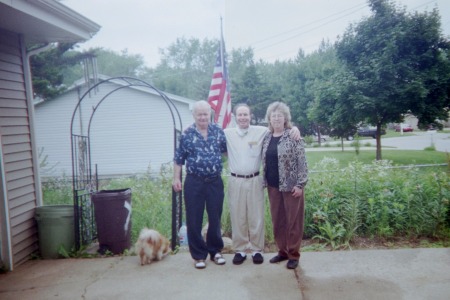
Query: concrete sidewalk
point(363, 274)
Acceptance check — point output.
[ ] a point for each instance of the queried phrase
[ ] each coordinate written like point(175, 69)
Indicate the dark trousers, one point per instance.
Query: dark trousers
point(288, 215)
point(201, 193)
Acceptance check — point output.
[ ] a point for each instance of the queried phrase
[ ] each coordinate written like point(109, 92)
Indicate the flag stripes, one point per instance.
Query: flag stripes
point(219, 92)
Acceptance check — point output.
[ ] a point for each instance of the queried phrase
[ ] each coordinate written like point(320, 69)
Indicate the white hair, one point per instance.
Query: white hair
point(199, 104)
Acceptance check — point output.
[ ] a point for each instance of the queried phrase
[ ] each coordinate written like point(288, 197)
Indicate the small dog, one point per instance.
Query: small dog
point(151, 245)
point(227, 242)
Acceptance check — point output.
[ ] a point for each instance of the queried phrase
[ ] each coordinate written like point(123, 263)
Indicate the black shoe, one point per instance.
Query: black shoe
point(258, 259)
point(277, 259)
point(292, 264)
point(239, 259)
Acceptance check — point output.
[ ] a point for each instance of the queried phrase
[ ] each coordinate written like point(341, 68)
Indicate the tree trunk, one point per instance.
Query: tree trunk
point(378, 142)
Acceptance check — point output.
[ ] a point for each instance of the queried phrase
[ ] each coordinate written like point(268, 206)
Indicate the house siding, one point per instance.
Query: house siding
point(131, 131)
point(16, 151)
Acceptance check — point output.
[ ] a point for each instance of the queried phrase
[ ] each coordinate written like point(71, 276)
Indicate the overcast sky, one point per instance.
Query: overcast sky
point(275, 29)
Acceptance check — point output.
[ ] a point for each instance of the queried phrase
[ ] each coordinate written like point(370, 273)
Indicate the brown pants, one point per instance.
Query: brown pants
point(288, 215)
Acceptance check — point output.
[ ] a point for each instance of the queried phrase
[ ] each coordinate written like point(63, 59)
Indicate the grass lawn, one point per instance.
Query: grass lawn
point(398, 157)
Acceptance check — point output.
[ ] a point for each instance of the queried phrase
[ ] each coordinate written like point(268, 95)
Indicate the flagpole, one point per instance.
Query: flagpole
point(221, 42)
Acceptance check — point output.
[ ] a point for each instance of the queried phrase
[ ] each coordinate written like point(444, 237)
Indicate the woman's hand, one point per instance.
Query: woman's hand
point(297, 192)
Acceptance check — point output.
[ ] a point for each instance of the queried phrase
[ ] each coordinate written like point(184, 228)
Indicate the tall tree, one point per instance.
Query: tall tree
point(186, 68)
point(309, 70)
point(250, 89)
point(47, 69)
point(109, 63)
point(334, 94)
point(238, 61)
point(400, 62)
point(296, 92)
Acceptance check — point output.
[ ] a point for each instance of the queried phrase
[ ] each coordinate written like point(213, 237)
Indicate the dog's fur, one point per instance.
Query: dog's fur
point(151, 245)
point(227, 242)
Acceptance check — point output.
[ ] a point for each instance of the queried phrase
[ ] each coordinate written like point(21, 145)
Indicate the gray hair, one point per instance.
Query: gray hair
point(199, 104)
point(282, 108)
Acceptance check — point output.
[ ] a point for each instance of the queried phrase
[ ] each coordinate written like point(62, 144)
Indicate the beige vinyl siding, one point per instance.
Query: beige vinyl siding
point(16, 149)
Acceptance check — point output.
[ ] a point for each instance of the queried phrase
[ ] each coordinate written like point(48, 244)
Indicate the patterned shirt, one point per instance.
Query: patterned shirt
point(292, 165)
point(202, 157)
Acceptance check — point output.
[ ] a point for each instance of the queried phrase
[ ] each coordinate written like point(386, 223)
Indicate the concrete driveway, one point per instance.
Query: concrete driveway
point(364, 274)
point(419, 141)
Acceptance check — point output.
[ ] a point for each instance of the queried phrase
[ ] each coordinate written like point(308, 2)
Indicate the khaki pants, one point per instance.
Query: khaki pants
point(288, 215)
point(246, 201)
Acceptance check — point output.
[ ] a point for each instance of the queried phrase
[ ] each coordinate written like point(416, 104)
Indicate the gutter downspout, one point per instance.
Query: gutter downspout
point(6, 253)
point(29, 92)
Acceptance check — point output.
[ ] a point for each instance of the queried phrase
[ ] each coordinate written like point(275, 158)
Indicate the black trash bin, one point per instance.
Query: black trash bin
point(112, 210)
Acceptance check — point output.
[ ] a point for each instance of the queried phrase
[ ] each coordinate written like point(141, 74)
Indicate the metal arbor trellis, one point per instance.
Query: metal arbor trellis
point(84, 182)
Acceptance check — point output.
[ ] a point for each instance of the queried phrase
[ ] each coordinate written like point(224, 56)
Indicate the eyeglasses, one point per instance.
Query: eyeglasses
point(277, 116)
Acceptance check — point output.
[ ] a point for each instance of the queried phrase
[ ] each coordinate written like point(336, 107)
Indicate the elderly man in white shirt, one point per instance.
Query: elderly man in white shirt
point(245, 185)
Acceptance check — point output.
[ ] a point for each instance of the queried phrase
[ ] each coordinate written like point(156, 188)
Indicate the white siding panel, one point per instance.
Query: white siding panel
point(16, 194)
point(18, 156)
point(11, 85)
point(16, 95)
point(52, 129)
point(131, 131)
point(14, 112)
point(13, 121)
point(10, 76)
point(14, 175)
point(18, 165)
point(23, 205)
point(16, 139)
point(12, 130)
point(15, 184)
point(11, 67)
point(131, 136)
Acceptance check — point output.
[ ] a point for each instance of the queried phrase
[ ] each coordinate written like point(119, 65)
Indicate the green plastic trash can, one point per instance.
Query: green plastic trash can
point(55, 229)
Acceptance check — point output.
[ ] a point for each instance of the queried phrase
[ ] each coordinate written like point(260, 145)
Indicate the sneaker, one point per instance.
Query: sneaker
point(292, 264)
point(200, 264)
point(277, 259)
point(258, 258)
point(239, 259)
point(218, 259)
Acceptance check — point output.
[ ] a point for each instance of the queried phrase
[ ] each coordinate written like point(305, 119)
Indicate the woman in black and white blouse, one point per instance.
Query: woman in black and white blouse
point(285, 175)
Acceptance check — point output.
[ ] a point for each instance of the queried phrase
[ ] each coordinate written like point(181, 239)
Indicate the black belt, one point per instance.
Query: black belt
point(205, 178)
point(245, 176)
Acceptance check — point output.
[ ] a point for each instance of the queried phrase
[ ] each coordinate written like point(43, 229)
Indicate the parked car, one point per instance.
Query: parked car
point(347, 134)
point(406, 128)
point(323, 137)
point(369, 131)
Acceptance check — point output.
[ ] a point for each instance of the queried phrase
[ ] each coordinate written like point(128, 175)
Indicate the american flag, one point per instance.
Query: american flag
point(219, 92)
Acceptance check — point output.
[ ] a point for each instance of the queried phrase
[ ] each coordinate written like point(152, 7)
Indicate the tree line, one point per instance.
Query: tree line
point(390, 64)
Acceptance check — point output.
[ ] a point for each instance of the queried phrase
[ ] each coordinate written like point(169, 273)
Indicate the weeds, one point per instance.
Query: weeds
point(74, 253)
point(331, 234)
point(360, 200)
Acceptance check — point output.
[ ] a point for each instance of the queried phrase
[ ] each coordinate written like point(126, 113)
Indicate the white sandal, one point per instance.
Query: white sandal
point(200, 264)
point(218, 259)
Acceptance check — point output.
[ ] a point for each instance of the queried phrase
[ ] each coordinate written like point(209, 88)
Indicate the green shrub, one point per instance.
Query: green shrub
point(57, 190)
point(359, 200)
point(376, 201)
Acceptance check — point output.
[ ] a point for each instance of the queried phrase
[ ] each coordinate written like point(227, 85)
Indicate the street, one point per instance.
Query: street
point(419, 141)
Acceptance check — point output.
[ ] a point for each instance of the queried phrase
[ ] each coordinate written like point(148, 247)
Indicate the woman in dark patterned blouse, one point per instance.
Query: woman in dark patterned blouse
point(285, 175)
